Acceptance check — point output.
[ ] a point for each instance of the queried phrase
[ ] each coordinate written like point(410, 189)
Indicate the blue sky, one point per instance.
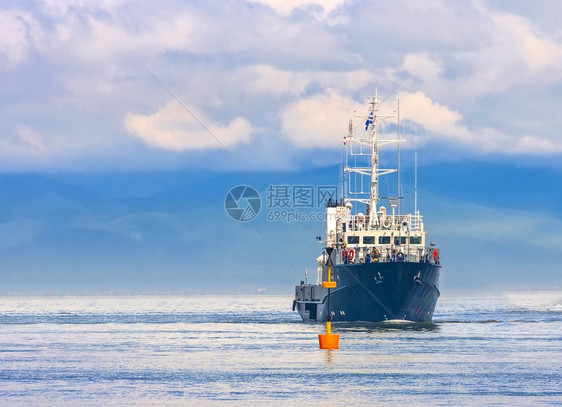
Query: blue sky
point(111, 185)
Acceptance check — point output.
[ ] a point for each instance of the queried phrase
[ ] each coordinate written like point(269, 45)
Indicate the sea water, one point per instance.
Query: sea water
point(498, 349)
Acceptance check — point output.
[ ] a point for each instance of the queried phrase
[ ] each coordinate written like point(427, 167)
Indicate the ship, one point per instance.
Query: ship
point(377, 263)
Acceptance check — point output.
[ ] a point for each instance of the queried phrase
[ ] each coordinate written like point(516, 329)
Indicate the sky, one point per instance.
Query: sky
point(125, 123)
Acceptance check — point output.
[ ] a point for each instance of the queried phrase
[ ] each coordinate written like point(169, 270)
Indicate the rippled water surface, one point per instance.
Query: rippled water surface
point(502, 349)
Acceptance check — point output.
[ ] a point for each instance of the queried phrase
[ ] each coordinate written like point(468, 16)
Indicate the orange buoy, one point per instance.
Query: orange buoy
point(329, 340)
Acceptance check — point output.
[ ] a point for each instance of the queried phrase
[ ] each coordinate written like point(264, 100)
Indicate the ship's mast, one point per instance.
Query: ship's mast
point(365, 168)
point(374, 196)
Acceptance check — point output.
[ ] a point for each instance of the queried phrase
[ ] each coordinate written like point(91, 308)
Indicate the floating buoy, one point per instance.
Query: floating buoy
point(329, 340)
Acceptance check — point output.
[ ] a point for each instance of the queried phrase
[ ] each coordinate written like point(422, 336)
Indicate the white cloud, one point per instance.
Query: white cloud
point(107, 35)
point(482, 51)
point(17, 32)
point(62, 8)
point(512, 52)
point(424, 66)
point(434, 117)
point(320, 120)
point(78, 61)
point(96, 37)
point(23, 141)
point(536, 145)
point(173, 128)
point(441, 122)
point(268, 80)
point(30, 139)
point(265, 79)
point(285, 7)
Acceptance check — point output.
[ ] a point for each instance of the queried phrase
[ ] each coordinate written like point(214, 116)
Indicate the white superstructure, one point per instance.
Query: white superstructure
point(359, 227)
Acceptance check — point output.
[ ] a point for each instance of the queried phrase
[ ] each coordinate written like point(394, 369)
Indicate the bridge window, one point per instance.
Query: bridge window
point(384, 239)
point(415, 239)
point(353, 240)
point(400, 240)
point(368, 240)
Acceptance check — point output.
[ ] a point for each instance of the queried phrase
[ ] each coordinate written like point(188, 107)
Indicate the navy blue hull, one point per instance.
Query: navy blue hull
point(383, 291)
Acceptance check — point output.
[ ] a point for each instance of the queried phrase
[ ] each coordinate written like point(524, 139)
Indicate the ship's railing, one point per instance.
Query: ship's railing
point(353, 255)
